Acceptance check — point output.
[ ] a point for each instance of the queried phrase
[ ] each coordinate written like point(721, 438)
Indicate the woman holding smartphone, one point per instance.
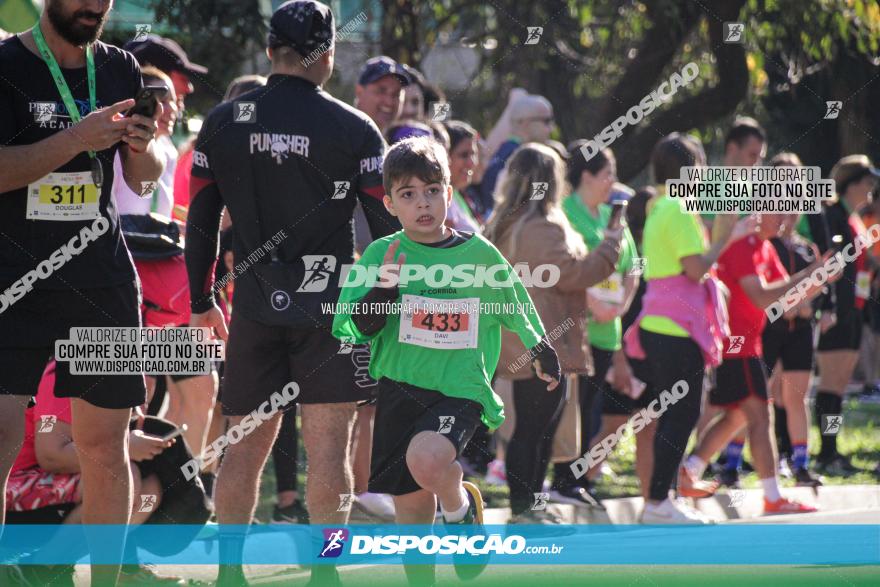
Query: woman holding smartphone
point(589, 214)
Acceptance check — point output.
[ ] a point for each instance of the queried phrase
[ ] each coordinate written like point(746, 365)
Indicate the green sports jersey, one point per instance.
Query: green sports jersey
point(603, 335)
point(445, 334)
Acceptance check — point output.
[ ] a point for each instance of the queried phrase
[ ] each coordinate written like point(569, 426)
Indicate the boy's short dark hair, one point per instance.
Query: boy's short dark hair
point(419, 157)
point(743, 128)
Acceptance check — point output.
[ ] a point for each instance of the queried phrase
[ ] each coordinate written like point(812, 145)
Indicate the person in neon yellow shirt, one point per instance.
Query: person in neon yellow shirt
point(674, 244)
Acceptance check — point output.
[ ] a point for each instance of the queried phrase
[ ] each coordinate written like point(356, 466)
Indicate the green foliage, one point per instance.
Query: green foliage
point(223, 35)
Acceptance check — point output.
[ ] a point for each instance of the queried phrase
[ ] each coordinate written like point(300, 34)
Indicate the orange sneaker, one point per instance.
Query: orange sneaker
point(690, 486)
point(786, 506)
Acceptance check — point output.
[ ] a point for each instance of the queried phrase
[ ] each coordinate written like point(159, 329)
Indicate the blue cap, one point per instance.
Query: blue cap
point(378, 67)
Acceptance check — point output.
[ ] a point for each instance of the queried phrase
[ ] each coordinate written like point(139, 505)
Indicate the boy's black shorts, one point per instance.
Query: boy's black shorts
point(30, 327)
point(404, 410)
point(737, 379)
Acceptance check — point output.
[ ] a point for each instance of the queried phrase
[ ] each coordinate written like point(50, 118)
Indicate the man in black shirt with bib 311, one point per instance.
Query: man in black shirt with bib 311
point(63, 262)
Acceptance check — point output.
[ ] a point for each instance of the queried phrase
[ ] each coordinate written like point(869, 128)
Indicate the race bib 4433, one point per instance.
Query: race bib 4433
point(439, 323)
point(63, 196)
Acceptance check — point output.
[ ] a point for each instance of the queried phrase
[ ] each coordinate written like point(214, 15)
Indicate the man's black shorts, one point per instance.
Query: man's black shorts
point(845, 335)
point(794, 347)
point(737, 379)
point(30, 327)
point(261, 360)
point(404, 410)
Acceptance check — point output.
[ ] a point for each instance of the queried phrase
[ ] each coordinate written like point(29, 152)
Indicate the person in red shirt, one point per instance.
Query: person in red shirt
point(752, 271)
point(45, 484)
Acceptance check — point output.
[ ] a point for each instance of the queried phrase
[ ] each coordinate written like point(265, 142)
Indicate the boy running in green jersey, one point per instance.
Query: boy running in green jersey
point(433, 314)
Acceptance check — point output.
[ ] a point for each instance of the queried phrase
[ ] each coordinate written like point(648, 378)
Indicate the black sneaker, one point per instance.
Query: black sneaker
point(468, 566)
point(836, 466)
point(294, 513)
point(578, 496)
point(803, 478)
point(729, 478)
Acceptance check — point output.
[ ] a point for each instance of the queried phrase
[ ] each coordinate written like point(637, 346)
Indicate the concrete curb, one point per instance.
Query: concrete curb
point(626, 510)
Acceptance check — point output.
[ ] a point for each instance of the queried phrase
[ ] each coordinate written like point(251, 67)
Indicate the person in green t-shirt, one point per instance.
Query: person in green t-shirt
point(433, 315)
point(588, 212)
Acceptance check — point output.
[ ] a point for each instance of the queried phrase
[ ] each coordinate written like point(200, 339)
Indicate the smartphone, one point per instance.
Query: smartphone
point(617, 210)
point(147, 101)
point(175, 433)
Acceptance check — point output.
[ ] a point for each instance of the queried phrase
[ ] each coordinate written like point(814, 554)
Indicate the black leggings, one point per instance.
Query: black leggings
point(672, 359)
point(284, 453)
point(590, 396)
point(537, 415)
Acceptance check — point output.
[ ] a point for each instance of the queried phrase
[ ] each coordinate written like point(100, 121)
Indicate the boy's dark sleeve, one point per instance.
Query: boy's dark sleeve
point(371, 316)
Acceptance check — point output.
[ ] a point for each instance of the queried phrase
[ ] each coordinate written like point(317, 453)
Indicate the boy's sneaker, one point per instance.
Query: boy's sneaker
point(496, 473)
point(377, 505)
point(690, 486)
point(468, 566)
point(729, 478)
point(294, 513)
point(576, 495)
point(836, 466)
point(786, 506)
point(803, 478)
point(672, 512)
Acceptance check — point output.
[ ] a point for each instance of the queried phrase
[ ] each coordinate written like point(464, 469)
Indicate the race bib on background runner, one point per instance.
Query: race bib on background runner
point(863, 285)
point(609, 291)
point(63, 196)
point(439, 324)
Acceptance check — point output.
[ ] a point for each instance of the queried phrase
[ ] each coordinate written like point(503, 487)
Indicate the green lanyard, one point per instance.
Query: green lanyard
point(66, 96)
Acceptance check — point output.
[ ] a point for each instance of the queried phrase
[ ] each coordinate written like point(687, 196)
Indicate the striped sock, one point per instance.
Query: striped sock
point(800, 458)
point(734, 456)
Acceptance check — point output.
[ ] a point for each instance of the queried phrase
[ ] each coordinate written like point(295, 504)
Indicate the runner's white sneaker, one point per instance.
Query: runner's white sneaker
point(379, 505)
point(672, 512)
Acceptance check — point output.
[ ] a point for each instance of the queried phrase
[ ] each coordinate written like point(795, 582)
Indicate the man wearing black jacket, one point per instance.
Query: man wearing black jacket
point(288, 161)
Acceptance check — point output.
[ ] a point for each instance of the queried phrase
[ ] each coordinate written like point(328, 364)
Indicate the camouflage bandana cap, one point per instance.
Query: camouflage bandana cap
point(304, 25)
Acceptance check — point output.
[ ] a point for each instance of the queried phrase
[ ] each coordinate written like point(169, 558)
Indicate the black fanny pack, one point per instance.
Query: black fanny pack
point(151, 236)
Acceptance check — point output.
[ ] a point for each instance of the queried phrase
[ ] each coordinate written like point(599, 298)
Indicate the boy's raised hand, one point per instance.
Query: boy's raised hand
point(389, 277)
